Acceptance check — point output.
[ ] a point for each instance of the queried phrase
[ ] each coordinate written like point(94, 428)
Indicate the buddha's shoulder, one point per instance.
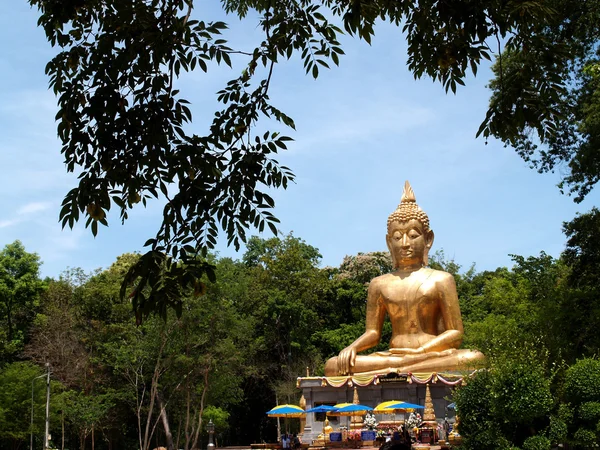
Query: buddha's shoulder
point(437, 275)
point(382, 280)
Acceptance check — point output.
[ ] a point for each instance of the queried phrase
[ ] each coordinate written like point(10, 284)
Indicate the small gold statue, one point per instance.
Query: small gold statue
point(324, 436)
point(327, 428)
point(422, 305)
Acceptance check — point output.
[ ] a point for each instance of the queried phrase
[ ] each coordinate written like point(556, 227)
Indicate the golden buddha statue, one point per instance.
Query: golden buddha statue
point(422, 305)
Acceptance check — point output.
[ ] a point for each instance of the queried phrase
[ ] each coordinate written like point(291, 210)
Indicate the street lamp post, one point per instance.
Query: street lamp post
point(47, 432)
point(210, 427)
point(31, 434)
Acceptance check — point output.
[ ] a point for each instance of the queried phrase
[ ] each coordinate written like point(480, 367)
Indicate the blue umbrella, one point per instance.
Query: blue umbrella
point(320, 409)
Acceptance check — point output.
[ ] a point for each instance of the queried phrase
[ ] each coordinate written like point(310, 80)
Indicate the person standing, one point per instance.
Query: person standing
point(285, 442)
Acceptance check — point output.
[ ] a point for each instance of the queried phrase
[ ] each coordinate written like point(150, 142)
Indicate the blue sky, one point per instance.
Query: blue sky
point(362, 129)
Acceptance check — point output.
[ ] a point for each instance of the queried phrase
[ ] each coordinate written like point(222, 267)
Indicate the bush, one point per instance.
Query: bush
point(557, 431)
point(584, 437)
point(503, 406)
point(582, 381)
point(521, 393)
point(589, 412)
point(537, 443)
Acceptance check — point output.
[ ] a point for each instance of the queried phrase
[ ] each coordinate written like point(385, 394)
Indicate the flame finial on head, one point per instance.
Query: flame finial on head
point(408, 209)
point(408, 196)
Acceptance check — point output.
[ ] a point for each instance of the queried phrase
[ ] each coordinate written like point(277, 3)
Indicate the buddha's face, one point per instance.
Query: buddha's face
point(409, 243)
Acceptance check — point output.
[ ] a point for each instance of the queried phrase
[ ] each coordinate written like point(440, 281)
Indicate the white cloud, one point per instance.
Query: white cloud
point(344, 126)
point(64, 240)
point(8, 223)
point(34, 207)
point(30, 104)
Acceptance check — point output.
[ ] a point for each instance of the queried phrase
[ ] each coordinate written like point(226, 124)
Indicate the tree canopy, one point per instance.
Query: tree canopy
point(126, 128)
point(20, 289)
point(545, 94)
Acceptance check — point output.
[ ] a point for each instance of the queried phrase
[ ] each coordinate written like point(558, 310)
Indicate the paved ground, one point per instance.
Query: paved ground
point(247, 447)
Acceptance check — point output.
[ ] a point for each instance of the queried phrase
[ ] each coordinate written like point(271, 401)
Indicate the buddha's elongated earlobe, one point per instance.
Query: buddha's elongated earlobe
point(428, 243)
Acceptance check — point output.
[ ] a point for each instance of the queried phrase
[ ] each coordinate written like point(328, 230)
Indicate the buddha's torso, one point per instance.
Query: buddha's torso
point(412, 303)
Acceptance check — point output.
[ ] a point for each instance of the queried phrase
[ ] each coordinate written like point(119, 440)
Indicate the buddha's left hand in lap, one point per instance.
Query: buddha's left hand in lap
point(407, 351)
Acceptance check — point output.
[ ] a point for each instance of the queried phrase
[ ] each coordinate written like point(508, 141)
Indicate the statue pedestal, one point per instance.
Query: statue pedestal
point(373, 390)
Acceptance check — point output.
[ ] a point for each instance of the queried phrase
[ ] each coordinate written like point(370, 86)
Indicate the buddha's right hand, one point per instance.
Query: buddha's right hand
point(346, 360)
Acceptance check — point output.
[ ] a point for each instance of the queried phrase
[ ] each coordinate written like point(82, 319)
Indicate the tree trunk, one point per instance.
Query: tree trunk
point(204, 390)
point(140, 402)
point(149, 430)
point(153, 387)
point(165, 422)
point(278, 420)
point(178, 432)
point(187, 416)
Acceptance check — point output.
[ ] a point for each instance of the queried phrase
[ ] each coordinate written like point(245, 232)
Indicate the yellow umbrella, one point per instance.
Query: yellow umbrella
point(286, 411)
point(395, 406)
point(384, 408)
point(336, 407)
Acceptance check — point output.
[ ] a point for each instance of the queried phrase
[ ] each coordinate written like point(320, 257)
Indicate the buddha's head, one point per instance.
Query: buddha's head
point(409, 237)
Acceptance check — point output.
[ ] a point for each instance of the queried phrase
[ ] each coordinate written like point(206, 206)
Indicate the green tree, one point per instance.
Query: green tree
point(363, 267)
point(209, 352)
point(129, 382)
point(16, 383)
point(582, 253)
point(577, 309)
point(86, 412)
point(168, 371)
point(56, 335)
point(531, 305)
point(286, 298)
point(69, 332)
point(546, 93)
point(20, 289)
point(219, 417)
point(501, 316)
point(346, 298)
